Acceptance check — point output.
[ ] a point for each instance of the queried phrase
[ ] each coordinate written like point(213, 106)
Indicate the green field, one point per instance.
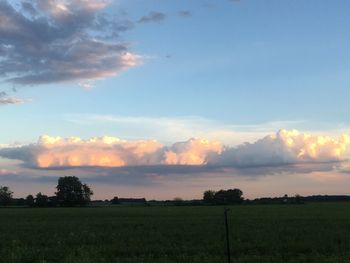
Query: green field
point(259, 233)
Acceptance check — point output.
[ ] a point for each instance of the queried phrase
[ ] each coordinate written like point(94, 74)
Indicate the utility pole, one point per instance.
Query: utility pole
point(227, 236)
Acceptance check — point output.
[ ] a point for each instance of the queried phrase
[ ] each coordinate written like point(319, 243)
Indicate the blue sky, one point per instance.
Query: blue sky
point(232, 71)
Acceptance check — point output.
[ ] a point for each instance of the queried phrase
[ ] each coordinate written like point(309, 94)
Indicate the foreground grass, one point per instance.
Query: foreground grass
point(275, 233)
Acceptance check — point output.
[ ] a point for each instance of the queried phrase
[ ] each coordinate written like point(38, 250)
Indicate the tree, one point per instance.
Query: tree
point(29, 200)
point(52, 201)
point(71, 192)
point(115, 201)
point(298, 199)
point(208, 196)
point(178, 201)
point(230, 196)
point(5, 195)
point(41, 200)
point(20, 202)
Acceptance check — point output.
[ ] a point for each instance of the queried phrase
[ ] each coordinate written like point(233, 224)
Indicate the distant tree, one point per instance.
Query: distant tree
point(29, 200)
point(298, 199)
point(20, 201)
point(231, 196)
point(5, 195)
point(41, 200)
point(52, 201)
point(115, 200)
point(208, 196)
point(71, 192)
point(178, 201)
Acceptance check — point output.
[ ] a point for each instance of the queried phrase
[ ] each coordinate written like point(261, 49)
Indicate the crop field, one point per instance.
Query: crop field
point(259, 233)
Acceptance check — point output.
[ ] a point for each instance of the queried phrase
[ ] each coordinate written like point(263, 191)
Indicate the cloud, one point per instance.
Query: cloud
point(284, 148)
point(152, 17)
point(191, 152)
point(48, 41)
point(5, 172)
point(168, 130)
point(185, 13)
point(6, 100)
point(55, 152)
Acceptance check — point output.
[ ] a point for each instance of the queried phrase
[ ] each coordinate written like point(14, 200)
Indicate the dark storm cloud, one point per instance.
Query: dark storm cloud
point(54, 41)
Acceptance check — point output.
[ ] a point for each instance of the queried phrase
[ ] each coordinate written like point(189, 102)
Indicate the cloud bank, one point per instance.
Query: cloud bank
point(282, 148)
point(46, 41)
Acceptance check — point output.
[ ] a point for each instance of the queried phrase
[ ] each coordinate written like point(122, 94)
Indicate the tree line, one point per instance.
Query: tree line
point(70, 191)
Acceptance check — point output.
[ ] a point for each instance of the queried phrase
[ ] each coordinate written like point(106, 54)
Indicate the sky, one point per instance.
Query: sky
point(169, 98)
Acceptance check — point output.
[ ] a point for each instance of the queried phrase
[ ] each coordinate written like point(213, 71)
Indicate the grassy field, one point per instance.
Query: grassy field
point(262, 233)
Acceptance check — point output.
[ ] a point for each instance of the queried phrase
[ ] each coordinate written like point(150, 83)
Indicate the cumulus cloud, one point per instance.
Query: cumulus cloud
point(191, 152)
point(282, 148)
point(46, 41)
point(286, 147)
point(152, 17)
point(56, 152)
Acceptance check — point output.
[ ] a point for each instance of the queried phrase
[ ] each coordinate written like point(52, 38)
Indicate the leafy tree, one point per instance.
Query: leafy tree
point(5, 195)
point(230, 196)
point(52, 201)
point(208, 196)
point(29, 200)
point(71, 192)
point(41, 200)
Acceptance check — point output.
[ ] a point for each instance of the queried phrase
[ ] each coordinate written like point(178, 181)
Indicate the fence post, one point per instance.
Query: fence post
point(227, 236)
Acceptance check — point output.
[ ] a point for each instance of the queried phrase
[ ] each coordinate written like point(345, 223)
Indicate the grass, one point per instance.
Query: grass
point(265, 233)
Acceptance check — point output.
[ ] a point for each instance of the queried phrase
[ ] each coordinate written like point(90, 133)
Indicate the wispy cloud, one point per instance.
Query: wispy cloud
point(7, 100)
point(152, 17)
point(5, 172)
point(185, 13)
point(170, 129)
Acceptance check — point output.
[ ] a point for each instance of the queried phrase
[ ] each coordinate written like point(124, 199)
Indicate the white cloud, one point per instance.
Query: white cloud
point(286, 147)
point(282, 148)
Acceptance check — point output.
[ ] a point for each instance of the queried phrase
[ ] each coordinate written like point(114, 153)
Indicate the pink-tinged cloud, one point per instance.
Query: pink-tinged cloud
point(7, 100)
point(284, 147)
point(191, 152)
point(49, 41)
point(7, 172)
